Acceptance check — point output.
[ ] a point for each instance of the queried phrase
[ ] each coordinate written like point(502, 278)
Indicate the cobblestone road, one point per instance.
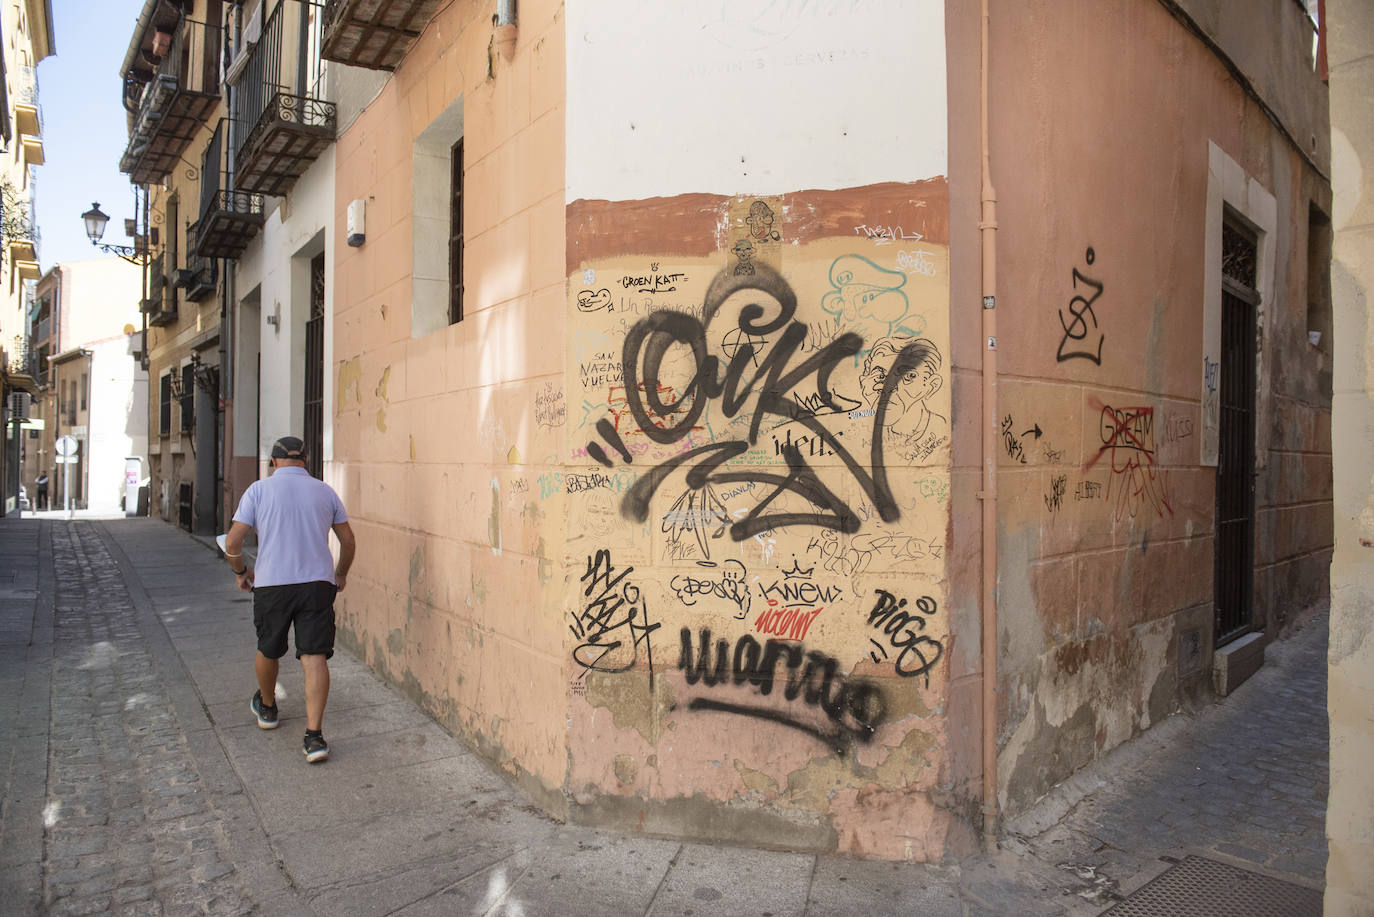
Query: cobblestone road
point(135, 782)
point(130, 827)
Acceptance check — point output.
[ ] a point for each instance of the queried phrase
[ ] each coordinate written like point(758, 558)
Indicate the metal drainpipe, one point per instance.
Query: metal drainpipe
point(143, 360)
point(987, 228)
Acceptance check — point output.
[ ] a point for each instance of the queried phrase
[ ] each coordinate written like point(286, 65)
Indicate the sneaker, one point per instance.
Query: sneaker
point(316, 748)
point(267, 716)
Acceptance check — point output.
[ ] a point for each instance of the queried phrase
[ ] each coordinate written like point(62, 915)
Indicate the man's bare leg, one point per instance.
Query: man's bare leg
point(266, 670)
point(316, 689)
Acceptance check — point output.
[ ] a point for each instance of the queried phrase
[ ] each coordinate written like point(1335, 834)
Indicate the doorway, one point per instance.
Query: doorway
point(1235, 512)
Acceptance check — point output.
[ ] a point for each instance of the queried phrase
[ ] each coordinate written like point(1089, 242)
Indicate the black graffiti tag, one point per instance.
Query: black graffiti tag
point(855, 707)
point(919, 652)
point(768, 381)
point(614, 625)
point(1081, 309)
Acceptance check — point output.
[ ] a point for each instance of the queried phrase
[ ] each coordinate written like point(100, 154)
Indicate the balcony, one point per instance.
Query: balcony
point(27, 120)
point(33, 150)
point(171, 102)
point(198, 279)
point(161, 304)
point(28, 116)
point(375, 34)
point(228, 218)
point(23, 252)
point(280, 125)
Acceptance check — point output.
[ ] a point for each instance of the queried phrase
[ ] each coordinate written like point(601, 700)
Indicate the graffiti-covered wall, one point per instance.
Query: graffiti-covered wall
point(1163, 420)
point(756, 477)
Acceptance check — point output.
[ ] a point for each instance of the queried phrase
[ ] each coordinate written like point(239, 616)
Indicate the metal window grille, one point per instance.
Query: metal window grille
point(455, 240)
point(188, 397)
point(313, 433)
point(164, 416)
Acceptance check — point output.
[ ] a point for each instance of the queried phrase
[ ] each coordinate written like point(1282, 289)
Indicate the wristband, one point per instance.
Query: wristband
point(238, 572)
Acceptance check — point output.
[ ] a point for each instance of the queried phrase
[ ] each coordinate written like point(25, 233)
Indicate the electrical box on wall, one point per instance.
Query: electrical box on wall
point(357, 233)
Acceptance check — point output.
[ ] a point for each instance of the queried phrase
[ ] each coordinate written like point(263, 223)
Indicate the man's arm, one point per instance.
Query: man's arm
point(348, 546)
point(233, 552)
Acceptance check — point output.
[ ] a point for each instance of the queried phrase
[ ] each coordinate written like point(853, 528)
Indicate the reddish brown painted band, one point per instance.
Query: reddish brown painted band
point(694, 225)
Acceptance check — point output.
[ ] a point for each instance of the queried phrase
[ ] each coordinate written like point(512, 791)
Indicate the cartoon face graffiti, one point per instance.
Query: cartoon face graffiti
point(863, 291)
point(744, 251)
point(908, 414)
point(760, 222)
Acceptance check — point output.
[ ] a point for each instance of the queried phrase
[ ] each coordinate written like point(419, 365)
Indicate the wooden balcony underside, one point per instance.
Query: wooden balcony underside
point(375, 33)
point(163, 135)
point(225, 233)
point(290, 135)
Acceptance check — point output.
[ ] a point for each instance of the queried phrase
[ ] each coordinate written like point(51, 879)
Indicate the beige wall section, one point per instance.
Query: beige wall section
point(1350, 689)
point(1106, 507)
point(757, 522)
point(438, 445)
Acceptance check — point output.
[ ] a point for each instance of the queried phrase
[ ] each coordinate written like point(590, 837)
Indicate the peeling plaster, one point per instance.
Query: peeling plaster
point(494, 520)
point(350, 381)
point(626, 695)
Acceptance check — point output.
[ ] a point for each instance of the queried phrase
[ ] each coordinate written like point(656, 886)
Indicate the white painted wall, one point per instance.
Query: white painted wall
point(272, 264)
point(117, 425)
point(752, 96)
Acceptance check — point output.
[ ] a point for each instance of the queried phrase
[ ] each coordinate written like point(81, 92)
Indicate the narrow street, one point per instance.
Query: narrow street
point(136, 782)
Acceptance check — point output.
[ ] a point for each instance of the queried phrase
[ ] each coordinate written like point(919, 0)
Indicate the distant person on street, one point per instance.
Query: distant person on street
point(295, 580)
point(41, 500)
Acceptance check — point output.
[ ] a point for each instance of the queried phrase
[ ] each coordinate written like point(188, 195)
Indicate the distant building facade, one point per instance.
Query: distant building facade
point(26, 37)
point(90, 387)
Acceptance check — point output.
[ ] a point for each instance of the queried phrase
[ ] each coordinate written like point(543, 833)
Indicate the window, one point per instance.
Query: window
point(436, 294)
point(173, 238)
point(84, 384)
point(164, 417)
point(188, 397)
point(455, 235)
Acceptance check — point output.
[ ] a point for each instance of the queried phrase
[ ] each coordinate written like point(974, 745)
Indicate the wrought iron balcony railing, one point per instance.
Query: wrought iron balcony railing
point(198, 278)
point(280, 124)
point(161, 304)
point(228, 218)
point(172, 102)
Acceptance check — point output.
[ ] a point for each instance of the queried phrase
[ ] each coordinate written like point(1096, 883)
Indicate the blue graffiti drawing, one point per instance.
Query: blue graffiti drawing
point(863, 291)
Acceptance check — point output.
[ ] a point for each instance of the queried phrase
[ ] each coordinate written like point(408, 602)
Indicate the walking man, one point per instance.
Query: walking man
point(295, 580)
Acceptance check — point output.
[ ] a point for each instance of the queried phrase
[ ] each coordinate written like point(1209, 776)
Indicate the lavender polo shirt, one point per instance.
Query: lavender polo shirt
point(292, 513)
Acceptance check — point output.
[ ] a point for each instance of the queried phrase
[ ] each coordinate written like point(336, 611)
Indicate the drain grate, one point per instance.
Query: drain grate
point(1198, 887)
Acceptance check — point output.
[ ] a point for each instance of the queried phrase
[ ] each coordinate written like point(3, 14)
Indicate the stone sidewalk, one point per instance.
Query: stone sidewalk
point(136, 782)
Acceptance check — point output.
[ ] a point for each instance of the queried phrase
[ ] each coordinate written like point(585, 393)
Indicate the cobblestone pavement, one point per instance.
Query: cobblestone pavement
point(135, 781)
point(130, 826)
point(1243, 781)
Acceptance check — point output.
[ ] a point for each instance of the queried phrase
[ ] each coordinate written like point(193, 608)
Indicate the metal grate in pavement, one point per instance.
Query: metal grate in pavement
point(1198, 887)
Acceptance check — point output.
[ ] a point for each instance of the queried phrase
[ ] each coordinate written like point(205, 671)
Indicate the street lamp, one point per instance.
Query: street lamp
point(95, 221)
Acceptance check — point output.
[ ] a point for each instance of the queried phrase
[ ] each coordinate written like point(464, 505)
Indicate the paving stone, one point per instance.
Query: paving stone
point(148, 814)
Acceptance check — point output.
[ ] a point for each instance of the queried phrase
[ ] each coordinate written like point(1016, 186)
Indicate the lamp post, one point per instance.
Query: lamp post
point(95, 221)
